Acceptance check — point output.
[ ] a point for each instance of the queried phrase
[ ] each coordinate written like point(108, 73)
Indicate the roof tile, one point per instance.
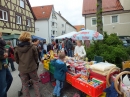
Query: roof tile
point(89, 6)
point(42, 12)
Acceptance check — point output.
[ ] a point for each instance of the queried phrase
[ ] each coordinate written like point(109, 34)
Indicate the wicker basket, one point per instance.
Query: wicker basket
point(118, 83)
point(113, 70)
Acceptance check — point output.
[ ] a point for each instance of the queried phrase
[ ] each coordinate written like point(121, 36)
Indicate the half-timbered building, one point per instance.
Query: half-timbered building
point(16, 16)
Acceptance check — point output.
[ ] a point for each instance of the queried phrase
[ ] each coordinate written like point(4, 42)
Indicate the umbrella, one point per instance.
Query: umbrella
point(68, 35)
point(87, 35)
point(39, 38)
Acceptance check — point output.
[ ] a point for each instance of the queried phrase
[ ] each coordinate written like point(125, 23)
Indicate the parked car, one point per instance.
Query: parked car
point(125, 43)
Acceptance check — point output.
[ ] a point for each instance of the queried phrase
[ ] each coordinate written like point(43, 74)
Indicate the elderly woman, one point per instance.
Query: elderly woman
point(26, 56)
point(79, 50)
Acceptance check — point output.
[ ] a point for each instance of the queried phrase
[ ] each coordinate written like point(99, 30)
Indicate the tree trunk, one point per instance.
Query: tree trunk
point(99, 17)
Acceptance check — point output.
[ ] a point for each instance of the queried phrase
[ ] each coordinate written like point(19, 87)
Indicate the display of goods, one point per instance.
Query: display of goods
point(51, 68)
point(78, 69)
point(72, 68)
point(83, 77)
point(98, 76)
point(46, 64)
point(45, 77)
point(70, 75)
point(93, 88)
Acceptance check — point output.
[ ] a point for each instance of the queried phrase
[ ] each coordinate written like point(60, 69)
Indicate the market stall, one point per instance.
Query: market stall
point(88, 77)
point(79, 74)
point(68, 35)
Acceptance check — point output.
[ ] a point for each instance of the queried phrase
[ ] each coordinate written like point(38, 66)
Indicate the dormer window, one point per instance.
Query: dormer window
point(22, 3)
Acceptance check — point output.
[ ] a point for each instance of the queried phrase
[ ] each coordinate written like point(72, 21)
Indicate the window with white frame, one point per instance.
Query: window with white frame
point(28, 22)
point(53, 32)
point(3, 15)
point(62, 25)
point(22, 3)
point(18, 19)
point(115, 19)
point(63, 32)
point(94, 21)
point(53, 23)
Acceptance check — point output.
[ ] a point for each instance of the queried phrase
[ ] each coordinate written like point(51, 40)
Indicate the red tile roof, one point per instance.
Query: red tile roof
point(79, 27)
point(89, 6)
point(42, 12)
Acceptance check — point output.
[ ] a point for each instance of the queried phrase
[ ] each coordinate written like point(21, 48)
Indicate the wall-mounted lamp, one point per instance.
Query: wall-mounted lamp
point(113, 27)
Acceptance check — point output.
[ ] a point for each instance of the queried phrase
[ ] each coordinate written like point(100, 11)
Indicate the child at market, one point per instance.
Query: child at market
point(59, 73)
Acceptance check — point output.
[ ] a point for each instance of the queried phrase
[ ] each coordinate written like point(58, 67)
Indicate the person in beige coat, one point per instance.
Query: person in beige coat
point(26, 56)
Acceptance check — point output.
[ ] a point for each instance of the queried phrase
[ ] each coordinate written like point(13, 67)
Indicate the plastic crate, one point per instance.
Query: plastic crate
point(87, 88)
point(51, 68)
point(102, 95)
point(69, 77)
point(46, 64)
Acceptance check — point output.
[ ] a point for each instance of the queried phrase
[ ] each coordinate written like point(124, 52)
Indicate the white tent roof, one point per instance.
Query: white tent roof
point(68, 35)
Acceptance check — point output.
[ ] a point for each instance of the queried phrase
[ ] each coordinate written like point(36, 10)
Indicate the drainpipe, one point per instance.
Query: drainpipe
point(85, 23)
point(65, 27)
point(48, 32)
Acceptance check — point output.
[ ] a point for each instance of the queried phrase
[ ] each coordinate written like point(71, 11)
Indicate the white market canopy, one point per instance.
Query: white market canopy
point(68, 35)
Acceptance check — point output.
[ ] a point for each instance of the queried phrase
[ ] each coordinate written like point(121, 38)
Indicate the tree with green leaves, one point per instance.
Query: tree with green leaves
point(99, 17)
point(110, 48)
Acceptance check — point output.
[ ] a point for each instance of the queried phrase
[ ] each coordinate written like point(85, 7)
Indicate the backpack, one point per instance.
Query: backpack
point(11, 55)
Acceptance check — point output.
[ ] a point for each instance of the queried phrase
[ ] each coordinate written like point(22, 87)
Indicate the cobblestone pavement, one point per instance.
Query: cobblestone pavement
point(45, 89)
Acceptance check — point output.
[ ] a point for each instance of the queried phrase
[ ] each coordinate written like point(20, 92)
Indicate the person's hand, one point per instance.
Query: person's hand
point(5, 55)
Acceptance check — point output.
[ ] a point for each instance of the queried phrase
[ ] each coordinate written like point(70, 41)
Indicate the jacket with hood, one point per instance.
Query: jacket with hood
point(26, 56)
point(69, 44)
point(60, 69)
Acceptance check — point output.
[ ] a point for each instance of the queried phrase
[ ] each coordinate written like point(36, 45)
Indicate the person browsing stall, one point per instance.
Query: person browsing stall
point(80, 50)
point(59, 74)
point(26, 57)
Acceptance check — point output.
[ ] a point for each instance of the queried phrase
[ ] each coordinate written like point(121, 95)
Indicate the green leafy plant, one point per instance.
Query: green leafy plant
point(110, 48)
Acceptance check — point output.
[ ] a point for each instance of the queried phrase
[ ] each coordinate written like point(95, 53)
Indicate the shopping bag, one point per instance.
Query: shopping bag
point(45, 77)
point(76, 95)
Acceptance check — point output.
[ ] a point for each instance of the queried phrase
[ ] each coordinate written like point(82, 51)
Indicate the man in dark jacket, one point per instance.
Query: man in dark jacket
point(36, 43)
point(69, 47)
point(59, 74)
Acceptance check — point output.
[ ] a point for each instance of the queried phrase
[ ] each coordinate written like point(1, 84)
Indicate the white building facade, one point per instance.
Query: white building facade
point(46, 25)
point(63, 26)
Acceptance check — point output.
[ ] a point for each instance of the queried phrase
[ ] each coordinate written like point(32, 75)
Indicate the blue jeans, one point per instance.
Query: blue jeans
point(69, 53)
point(58, 87)
point(5, 81)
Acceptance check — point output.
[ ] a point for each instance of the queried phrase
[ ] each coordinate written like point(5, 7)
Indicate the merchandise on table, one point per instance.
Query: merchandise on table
point(92, 87)
point(46, 64)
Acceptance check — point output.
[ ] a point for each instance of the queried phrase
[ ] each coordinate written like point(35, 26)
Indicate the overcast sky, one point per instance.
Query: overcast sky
point(70, 9)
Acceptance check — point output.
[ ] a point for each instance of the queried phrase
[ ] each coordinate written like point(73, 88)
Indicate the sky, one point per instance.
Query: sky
point(69, 9)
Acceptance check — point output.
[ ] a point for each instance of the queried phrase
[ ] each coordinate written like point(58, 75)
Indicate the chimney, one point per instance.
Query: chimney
point(59, 13)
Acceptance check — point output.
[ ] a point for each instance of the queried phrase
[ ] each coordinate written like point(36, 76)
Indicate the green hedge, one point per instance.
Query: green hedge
point(110, 48)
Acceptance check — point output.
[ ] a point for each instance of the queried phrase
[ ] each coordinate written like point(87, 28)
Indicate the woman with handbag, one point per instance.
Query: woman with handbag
point(10, 51)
